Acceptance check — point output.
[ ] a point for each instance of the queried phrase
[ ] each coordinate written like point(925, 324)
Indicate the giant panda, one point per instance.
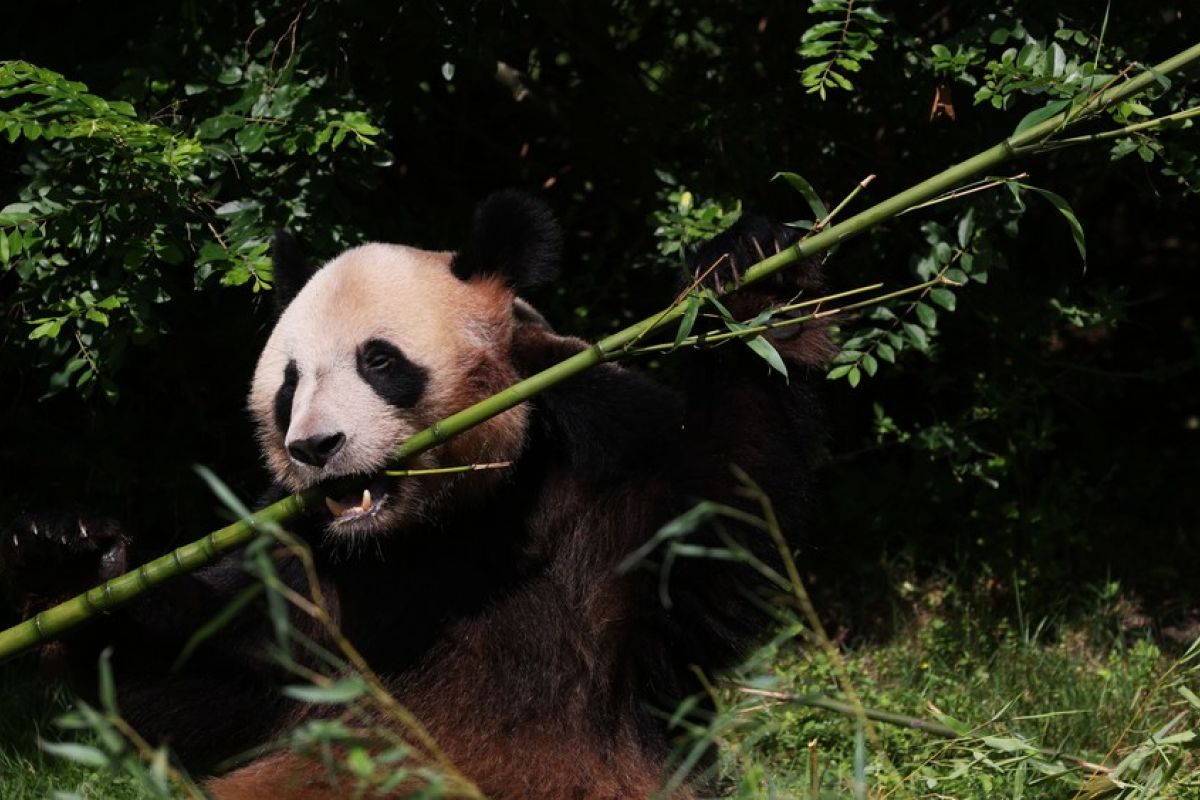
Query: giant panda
point(490, 602)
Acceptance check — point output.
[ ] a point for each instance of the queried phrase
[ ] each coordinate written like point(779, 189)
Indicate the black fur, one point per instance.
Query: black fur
point(748, 241)
point(394, 377)
point(285, 395)
point(291, 270)
point(514, 236)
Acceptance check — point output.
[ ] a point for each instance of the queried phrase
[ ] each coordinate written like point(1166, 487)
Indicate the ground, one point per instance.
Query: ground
point(1095, 686)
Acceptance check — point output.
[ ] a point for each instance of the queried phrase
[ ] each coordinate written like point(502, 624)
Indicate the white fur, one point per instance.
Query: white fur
point(410, 298)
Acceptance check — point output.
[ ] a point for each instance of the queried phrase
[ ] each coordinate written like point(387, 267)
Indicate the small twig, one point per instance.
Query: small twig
point(679, 299)
point(710, 338)
point(970, 188)
point(412, 473)
point(824, 221)
point(1137, 127)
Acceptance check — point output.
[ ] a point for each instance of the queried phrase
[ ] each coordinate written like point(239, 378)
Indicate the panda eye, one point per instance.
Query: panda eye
point(377, 360)
point(390, 373)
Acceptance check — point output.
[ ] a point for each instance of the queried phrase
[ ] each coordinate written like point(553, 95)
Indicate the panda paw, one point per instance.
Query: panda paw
point(720, 263)
point(55, 553)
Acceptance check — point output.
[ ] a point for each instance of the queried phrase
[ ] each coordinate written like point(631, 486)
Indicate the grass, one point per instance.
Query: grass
point(1008, 682)
point(1087, 689)
point(28, 707)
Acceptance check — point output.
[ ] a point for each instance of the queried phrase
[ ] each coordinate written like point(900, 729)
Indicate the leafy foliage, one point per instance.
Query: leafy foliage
point(839, 45)
point(123, 201)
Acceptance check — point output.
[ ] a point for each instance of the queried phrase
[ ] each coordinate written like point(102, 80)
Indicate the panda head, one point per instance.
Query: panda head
point(385, 340)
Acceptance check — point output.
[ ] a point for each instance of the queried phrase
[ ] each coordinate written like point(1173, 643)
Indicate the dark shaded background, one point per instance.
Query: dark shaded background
point(1098, 426)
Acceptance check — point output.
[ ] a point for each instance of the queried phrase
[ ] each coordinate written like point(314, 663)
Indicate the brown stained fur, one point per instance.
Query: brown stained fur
point(540, 766)
point(553, 751)
point(486, 370)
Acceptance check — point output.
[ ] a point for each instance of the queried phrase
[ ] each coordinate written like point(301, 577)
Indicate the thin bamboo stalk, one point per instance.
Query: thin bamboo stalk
point(66, 615)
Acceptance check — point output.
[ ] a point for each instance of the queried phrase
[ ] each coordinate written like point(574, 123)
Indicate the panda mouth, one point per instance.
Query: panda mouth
point(358, 506)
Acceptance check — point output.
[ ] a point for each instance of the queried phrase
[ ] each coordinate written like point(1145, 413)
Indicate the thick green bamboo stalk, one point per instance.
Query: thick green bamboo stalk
point(81, 607)
point(66, 615)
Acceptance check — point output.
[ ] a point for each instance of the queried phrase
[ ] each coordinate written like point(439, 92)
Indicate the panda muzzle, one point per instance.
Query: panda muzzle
point(353, 505)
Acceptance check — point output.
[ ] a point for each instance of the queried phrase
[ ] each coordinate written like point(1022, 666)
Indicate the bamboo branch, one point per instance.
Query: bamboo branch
point(1115, 133)
point(702, 339)
point(68, 614)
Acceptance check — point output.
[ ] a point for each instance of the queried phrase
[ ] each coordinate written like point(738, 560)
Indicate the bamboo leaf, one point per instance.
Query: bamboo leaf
point(108, 687)
point(767, 352)
point(806, 190)
point(219, 621)
point(339, 692)
point(1068, 213)
point(79, 753)
point(688, 321)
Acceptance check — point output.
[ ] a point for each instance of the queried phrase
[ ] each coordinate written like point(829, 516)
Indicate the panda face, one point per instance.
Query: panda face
point(380, 343)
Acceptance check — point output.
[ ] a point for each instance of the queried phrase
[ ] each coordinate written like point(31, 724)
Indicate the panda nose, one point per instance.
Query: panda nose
point(317, 450)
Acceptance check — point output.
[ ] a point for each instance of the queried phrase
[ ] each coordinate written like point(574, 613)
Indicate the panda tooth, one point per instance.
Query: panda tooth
point(337, 508)
point(366, 500)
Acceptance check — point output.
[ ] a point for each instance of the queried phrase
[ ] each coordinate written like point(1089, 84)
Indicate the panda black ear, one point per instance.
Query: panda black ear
point(291, 269)
point(514, 236)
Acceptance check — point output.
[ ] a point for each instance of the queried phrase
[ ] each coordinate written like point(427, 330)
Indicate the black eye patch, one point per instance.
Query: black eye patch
point(397, 380)
point(284, 396)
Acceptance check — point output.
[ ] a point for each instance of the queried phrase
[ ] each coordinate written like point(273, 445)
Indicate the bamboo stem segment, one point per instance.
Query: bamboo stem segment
point(60, 618)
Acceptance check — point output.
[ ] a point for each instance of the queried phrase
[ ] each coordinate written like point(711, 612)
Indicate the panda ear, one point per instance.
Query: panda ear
point(514, 236)
point(291, 269)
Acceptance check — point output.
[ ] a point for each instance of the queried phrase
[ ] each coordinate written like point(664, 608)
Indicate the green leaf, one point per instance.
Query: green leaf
point(869, 364)
point(49, 329)
point(339, 692)
point(926, 315)
point(218, 623)
point(853, 376)
point(215, 127)
point(1040, 115)
point(943, 297)
point(916, 335)
point(1068, 213)
point(806, 190)
point(767, 352)
point(966, 228)
point(357, 759)
point(688, 320)
point(108, 687)
point(885, 352)
point(230, 75)
point(252, 137)
point(839, 372)
point(79, 753)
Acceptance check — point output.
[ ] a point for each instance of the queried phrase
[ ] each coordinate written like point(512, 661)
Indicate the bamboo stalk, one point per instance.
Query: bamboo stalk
point(66, 615)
